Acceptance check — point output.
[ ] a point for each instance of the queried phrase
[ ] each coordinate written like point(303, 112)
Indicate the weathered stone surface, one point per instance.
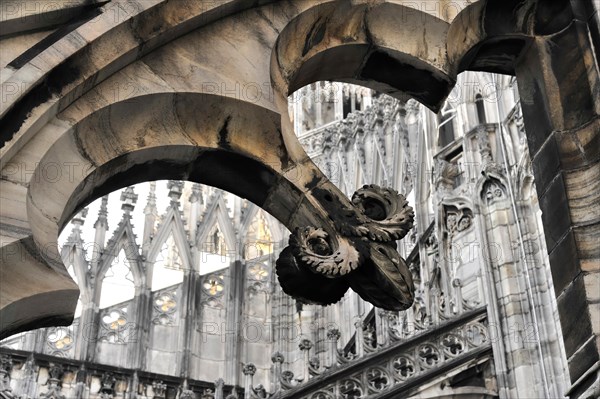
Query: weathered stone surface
point(179, 125)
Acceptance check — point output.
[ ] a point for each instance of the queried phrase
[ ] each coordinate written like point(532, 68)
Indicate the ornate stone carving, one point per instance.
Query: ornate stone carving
point(114, 326)
point(387, 214)
point(305, 345)
point(415, 358)
point(378, 379)
point(351, 388)
point(213, 286)
point(5, 368)
point(488, 165)
point(360, 255)
point(493, 191)
point(55, 373)
point(457, 219)
point(186, 392)
point(277, 357)
point(445, 174)
point(313, 248)
point(160, 389)
point(107, 388)
point(333, 334)
point(59, 340)
point(249, 369)
point(164, 307)
point(260, 392)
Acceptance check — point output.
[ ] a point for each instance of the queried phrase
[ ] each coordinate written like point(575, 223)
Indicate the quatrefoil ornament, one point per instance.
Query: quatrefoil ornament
point(360, 253)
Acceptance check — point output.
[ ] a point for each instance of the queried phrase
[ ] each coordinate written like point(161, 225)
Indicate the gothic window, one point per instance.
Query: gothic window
point(480, 109)
point(114, 325)
point(59, 340)
point(164, 307)
point(213, 287)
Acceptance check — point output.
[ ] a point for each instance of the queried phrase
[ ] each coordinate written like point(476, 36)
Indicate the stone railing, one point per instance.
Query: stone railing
point(24, 375)
point(388, 370)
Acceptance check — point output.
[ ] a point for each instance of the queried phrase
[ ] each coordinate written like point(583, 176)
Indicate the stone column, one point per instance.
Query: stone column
point(559, 86)
point(305, 346)
point(249, 370)
point(359, 338)
point(277, 359)
point(333, 335)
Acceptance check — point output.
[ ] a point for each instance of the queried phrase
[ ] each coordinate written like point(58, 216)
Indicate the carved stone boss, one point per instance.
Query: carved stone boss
point(359, 252)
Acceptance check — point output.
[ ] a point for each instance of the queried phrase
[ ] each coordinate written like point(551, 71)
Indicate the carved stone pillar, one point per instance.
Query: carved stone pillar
point(333, 336)
point(559, 86)
point(249, 370)
point(305, 346)
point(277, 359)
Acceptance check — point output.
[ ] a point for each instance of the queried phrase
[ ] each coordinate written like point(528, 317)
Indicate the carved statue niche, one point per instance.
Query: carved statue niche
point(457, 219)
point(493, 190)
point(359, 253)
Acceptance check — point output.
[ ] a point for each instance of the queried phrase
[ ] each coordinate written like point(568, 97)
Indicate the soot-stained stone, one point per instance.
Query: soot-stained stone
point(546, 164)
point(565, 255)
point(577, 98)
point(555, 212)
point(417, 81)
point(574, 316)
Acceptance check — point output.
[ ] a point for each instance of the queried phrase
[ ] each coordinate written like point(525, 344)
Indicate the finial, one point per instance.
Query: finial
point(79, 218)
point(151, 200)
point(102, 213)
point(175, 188)
point(196, 195)
point(129, 199)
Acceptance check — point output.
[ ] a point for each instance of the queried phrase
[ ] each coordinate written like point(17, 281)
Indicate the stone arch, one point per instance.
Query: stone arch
point(489, 36)
point(360, 43)
point(230, 132)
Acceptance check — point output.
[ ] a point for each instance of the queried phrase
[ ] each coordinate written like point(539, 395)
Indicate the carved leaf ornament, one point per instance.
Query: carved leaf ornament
point(360, 253)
